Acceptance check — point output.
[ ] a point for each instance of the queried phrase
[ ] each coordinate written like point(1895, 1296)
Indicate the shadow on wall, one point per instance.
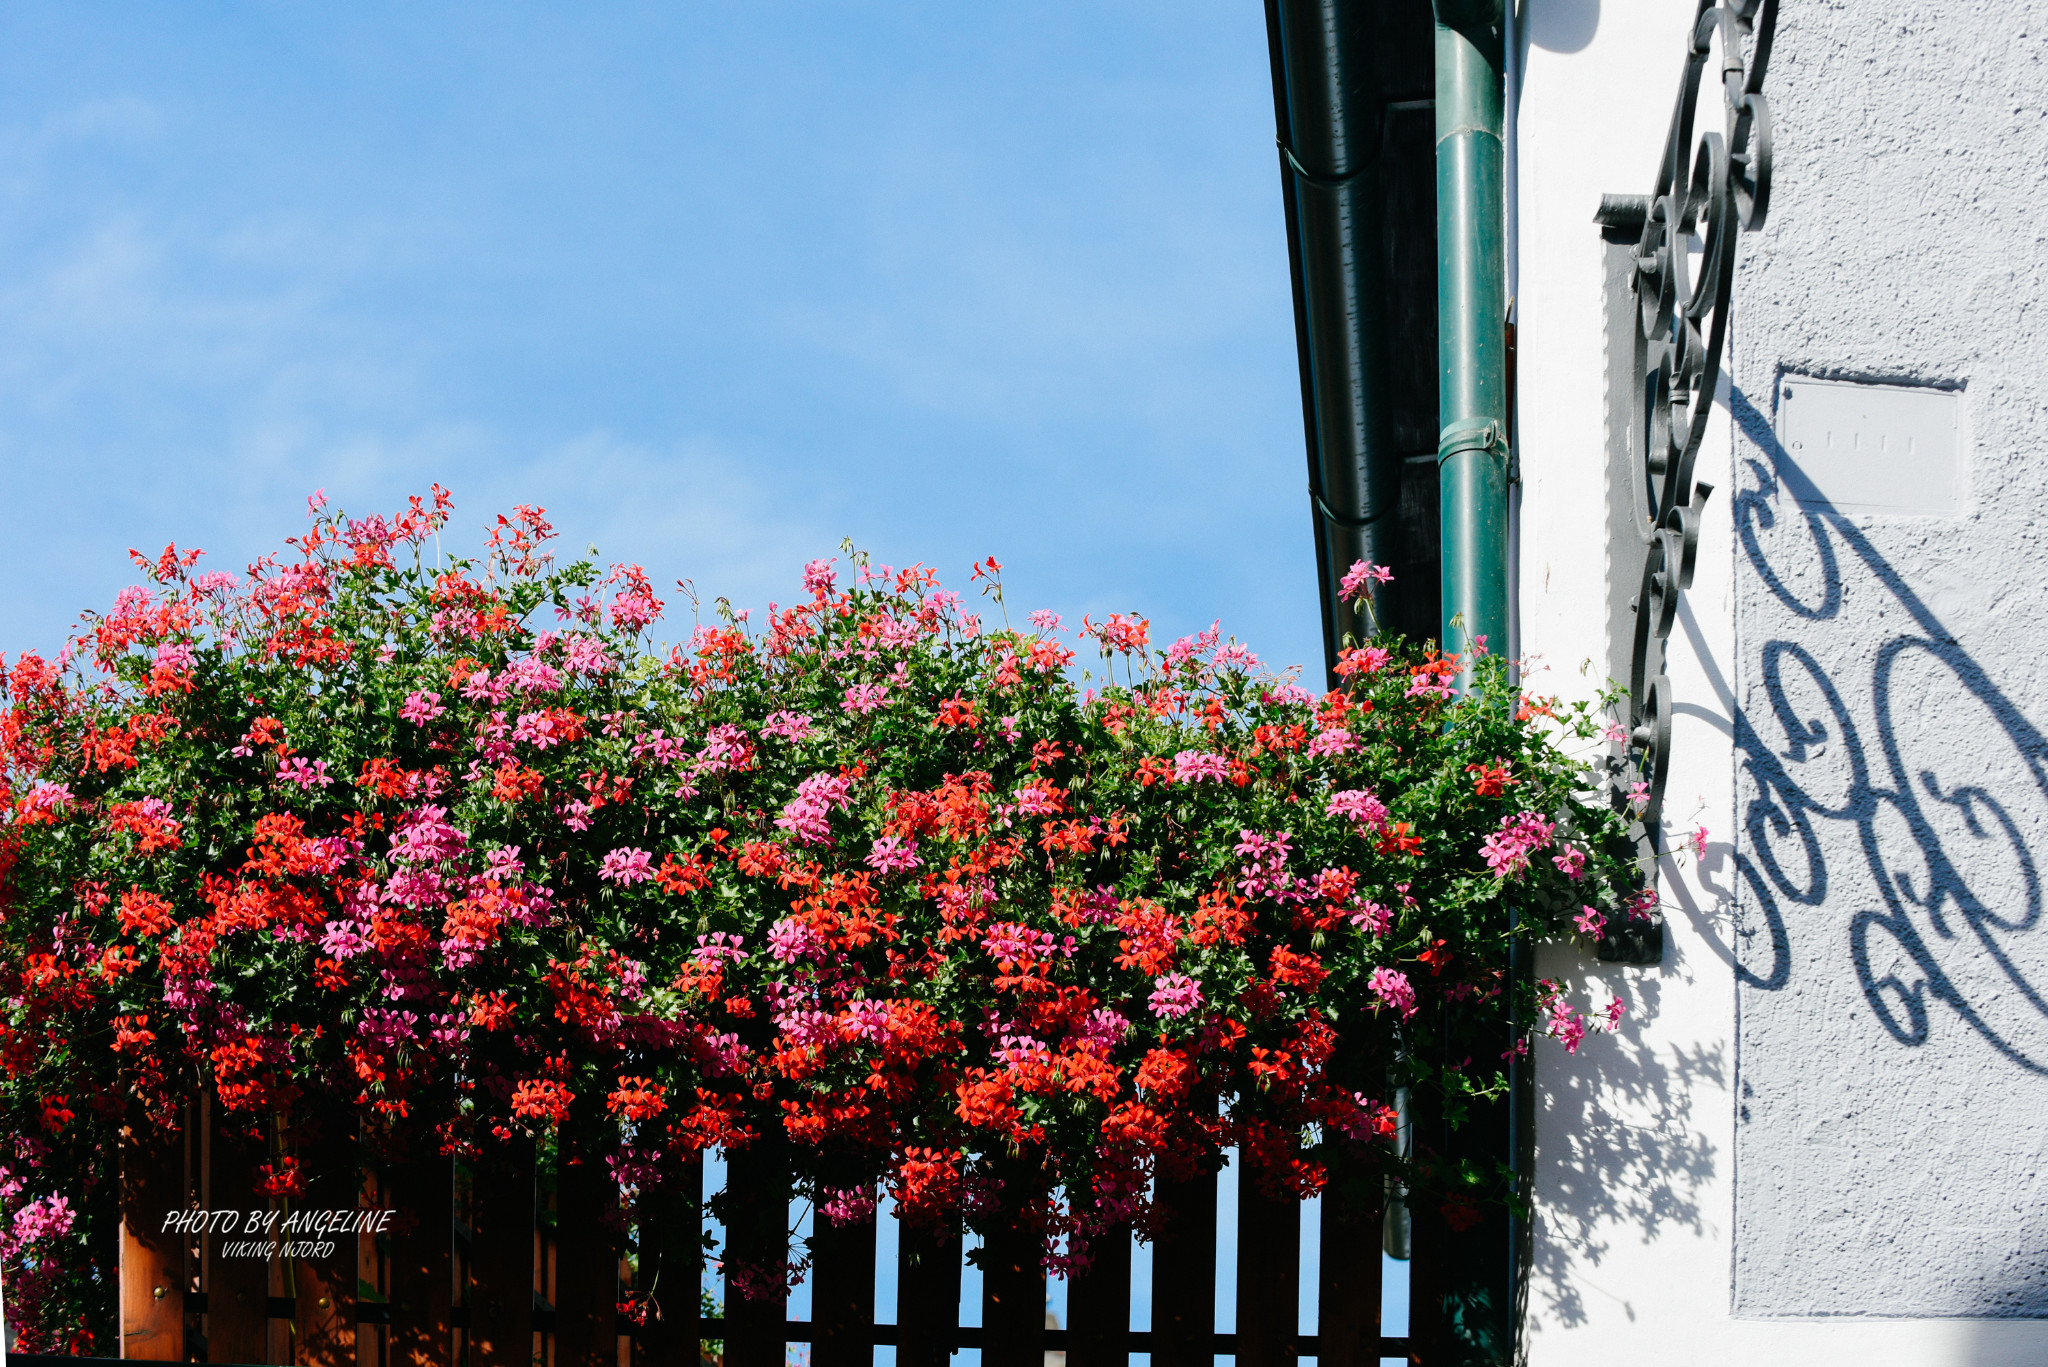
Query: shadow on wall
point(1951, 861)
point(1600, 1173)
point(1560, 25)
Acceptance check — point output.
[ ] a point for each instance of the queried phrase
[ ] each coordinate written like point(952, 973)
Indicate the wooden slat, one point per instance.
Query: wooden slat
point(843, 1292)
point(1099, 1304)
point(1013, 1294)
point(672, 1269)
point(757, 1235)
point(1348, 1269)
point(1427, 1251)
point(422, 1260)
point(927, 1295)
point(586, 1268)
point(152, 1260)
point(1184, 1275)
point(324, 1322)
point(237, 1289)
point(501, 1256)
point(1268, 1275)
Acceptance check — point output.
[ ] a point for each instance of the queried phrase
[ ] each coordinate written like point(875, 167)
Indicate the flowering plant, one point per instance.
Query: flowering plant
point(447, 853)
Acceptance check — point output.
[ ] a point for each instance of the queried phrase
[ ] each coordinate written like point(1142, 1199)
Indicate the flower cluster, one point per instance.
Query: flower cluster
point(451, 853)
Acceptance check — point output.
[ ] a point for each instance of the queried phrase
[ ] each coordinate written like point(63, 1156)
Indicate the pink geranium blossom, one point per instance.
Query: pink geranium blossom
point(1392, 987)
point(1174, 995)
point(626, 866)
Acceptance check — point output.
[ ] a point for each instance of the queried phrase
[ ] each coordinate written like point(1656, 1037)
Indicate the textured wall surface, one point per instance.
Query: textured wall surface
point(1819, 1137)
point(1892, 787)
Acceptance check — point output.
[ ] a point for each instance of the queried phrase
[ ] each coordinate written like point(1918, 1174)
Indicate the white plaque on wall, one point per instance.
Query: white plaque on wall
point(1872, 448)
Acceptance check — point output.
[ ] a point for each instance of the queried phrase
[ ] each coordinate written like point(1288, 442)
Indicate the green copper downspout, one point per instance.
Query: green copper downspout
point(1471, 292)
point(1474, 1303)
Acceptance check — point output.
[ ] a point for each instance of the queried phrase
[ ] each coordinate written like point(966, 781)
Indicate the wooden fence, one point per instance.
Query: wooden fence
point(531, 1274)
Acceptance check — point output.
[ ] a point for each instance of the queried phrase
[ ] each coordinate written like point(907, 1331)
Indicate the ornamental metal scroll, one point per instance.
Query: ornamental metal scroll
point(1719, 186)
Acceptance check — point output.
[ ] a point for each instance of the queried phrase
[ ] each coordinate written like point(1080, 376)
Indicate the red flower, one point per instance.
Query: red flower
point(538, 1099)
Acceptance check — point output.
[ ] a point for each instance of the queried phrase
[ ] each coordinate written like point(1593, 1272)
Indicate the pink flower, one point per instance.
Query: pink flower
point(808, 815)
point(865, 698)
point(532, 675)
point(1699, 842)
point(1358, 581)
point(1236, 656)
point(845, 1205)
point(1614, 733)
point(819, 577)
point(1037, 800)
point(382, 1025)
point(1571, 861)
point(893, 854)
point(421, 708)
point(1639, 795)
point(343, 940)
point(1615, 1009)
point(1392, 987)
point(1045, 622)
point(1429, 686)
point(1014, 943)
point(1199, 766)
point(719, 946)
point(1361, 805)
point(48, 797)
point(586, 655)
point(425, 837)
point(791, 726)
point(1333, 741)
point(1567, 1026)
point(1373, 917)
point(1188, 649)
point(1174, 995)
point(296, 770)
point(1507, 850)
point(626, 865)
point(790, 940)
point(1591, 921)
point(49, 1218)
point(541, 729)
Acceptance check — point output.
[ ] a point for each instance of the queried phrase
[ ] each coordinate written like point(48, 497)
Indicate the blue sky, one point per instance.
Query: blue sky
point(717, 285)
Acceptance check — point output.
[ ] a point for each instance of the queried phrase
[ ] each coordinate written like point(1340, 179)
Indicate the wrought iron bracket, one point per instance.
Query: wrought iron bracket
point(1708, 191)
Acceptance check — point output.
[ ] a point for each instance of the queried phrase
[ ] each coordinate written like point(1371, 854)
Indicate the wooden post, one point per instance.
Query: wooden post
point(586, 1268)
point(1013, 1288)
point(1348, 1271)
point(422, 1260)
point(843, 1292)
point(756, 1238)
point(152, 1257)
point(1268, 1274)
point(1184, 1275)
point(1099, 1304)
point(324, 1312)
point(672, 1269)
point(237, 1288)
point(927, 1295)
point(501, 1257)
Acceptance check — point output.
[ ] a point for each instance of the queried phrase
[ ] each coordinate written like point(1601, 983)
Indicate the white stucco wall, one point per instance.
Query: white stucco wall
point(1883, 1199)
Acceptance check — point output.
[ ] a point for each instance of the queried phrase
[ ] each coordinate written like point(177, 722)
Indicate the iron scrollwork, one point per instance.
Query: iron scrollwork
point(1720, 186)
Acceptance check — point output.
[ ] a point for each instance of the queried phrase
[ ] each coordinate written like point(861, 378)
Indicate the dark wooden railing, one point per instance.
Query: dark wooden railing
point(534, 1267)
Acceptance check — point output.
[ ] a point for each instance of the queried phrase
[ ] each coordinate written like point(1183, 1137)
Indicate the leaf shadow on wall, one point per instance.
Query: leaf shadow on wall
point(1949, 881)
point(1649, 1172)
